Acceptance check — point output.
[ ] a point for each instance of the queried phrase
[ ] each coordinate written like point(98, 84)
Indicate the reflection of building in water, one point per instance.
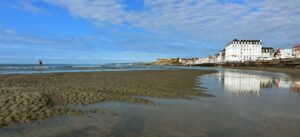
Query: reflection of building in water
point(296, 87)
point(281, 83)
point(266, 82)
point(240, 83)
point(288, 84)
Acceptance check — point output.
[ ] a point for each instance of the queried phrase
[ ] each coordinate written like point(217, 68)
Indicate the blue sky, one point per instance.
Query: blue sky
point(105, 31)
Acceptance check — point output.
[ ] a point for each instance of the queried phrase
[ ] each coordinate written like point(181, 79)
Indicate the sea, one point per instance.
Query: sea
point(58, 68)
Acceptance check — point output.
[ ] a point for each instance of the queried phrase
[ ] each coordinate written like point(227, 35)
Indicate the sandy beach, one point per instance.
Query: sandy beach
point(31, 97)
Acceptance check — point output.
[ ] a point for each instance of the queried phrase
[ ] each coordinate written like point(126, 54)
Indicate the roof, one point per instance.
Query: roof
point(236, 40)
point(267, 48)
point(247, 40)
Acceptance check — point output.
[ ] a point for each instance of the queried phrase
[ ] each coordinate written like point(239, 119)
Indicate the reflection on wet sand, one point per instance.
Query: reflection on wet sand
point(274, 115)
point(296, 87)
point(238, 83)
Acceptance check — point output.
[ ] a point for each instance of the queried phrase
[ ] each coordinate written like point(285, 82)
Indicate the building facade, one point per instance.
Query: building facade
point(283, 53)
point(221, 56)
point(188, 61)
point(296, 51)
point(243, 50)
point(267, 53)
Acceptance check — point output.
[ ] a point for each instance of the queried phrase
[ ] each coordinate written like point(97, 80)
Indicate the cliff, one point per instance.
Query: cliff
point(167, 62)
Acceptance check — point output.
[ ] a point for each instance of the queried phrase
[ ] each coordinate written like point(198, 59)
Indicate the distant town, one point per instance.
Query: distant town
point(239, 51)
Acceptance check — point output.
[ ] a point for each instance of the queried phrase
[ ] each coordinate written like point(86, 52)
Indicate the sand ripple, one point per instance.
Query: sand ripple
point(25, 98)
point(21, 107)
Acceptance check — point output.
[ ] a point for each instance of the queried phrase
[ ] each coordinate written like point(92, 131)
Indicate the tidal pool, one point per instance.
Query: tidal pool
point(245, 104)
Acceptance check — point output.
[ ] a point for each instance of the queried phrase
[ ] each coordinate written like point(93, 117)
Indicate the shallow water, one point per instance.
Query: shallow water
point(246, 103)
point(58, 68)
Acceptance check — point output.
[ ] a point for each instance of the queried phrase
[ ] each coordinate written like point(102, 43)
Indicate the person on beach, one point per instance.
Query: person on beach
point(40, 62)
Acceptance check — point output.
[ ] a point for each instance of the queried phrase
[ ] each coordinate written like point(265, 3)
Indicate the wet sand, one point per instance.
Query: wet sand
point(31, 97)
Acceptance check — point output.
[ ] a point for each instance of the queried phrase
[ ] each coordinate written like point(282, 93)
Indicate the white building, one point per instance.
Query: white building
point(267, 53)
point(204, 60)
point(243, 50)
point(284, 53)
point(221, 56)
point(188, 61)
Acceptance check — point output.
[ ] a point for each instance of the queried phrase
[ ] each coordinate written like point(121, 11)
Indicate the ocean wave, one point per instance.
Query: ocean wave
point(30, 67)
point(16, 69)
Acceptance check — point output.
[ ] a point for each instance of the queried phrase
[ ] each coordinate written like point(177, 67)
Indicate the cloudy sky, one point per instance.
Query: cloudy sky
point(104, 31)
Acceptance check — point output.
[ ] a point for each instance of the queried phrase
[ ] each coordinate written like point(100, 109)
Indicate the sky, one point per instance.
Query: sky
point(115, 31)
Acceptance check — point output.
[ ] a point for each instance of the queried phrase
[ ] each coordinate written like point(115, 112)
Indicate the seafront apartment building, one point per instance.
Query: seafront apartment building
point(267, 53)
point(243, 50)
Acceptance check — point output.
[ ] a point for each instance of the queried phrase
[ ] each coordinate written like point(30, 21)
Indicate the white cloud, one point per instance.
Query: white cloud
point(11, 36)
point(98, 11)
point(8, 31)
point(274, 21)
point(25, 5)
point(22, 5)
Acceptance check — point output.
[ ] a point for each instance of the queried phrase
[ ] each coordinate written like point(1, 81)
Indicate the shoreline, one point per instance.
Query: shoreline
point(31, 97)
point(293, 72)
